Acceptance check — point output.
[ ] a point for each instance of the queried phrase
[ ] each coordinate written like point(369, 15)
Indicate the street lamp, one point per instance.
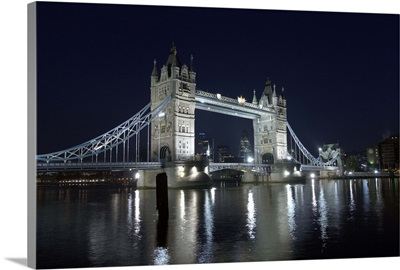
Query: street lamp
point(161, 114)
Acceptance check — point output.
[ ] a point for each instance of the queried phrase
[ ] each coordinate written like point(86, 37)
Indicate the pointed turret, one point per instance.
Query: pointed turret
point(255, 102)
point(173, 62)
point(154, 74)
point(266, 98)
point(192, 72)
point(191, 68)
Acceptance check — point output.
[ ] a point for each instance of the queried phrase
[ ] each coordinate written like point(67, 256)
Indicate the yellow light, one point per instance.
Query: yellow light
point(241, 100)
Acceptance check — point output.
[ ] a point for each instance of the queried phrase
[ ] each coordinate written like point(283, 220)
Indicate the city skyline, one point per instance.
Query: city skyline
point(339, 71)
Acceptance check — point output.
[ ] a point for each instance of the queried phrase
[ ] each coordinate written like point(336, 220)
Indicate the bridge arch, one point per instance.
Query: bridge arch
point(267, 158)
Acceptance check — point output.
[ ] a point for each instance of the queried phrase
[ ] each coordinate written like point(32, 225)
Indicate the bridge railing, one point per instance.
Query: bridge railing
point(260, 168)
point(96, 165)
point(316, 167)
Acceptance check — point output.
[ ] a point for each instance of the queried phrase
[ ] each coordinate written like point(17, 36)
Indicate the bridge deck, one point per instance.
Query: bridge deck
point(319, 168)
point(97, 166)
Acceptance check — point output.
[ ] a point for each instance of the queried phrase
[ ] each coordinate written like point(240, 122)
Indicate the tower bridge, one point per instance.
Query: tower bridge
point(168, 122)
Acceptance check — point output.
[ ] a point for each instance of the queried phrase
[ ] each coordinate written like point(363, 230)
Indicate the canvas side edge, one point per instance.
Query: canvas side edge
point(31, 155)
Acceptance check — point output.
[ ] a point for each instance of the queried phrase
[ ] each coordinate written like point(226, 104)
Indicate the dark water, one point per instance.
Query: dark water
point(317, 220)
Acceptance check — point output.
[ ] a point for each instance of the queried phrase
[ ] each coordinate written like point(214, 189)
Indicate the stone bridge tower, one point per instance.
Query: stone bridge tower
point(173, 131)
point(270, 135)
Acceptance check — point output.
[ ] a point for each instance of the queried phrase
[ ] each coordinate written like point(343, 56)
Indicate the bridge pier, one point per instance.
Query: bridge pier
point(286, 172)
point(329, 173)
point(180, 174)
point(251, 177)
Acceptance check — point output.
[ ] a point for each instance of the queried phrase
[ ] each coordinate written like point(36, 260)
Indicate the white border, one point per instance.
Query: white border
point(13, 106)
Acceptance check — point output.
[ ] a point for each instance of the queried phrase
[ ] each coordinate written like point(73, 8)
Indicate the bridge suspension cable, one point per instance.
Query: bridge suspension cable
point(307, 155)
point(109, 140)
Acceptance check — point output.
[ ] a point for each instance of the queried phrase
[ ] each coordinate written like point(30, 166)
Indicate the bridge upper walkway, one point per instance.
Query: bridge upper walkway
point(229, 106)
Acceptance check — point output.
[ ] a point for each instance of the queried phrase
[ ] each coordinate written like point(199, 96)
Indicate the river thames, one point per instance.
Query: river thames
point(231, 222)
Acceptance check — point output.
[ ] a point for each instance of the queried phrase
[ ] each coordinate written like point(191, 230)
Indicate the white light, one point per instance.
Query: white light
point(161, 114)
point(312, 175)
point(219, 96)
point(289, 158)
point(250, 159)
point(286, 173)
point(376, 171)
point(137, 175)
point(193, 170)
point(98, 147)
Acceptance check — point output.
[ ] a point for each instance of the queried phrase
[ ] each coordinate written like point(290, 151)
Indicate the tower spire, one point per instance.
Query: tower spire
point(191, 68)
point(154, 72)
point(254, 98)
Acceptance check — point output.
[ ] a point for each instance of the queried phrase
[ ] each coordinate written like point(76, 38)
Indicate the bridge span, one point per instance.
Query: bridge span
point(168, 122)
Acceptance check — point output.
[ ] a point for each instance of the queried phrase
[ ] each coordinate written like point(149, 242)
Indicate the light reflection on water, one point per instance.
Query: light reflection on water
point(291, 205)
point(161, 256)
point(251, 215)
point(319, 219)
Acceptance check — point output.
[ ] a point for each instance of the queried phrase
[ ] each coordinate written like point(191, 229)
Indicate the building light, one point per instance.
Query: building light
point(241, 100)
point(194, 170)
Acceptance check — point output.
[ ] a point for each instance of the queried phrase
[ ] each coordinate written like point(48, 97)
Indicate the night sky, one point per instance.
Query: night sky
point(340, 71)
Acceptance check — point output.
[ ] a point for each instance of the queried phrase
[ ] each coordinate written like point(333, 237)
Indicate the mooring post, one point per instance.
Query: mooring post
point(162, 196)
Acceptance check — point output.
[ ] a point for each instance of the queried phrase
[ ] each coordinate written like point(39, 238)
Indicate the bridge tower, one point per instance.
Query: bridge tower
point(270, 134)
point(173, 131)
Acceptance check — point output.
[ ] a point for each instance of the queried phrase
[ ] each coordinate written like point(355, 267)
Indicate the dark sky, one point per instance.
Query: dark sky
point(340, 71)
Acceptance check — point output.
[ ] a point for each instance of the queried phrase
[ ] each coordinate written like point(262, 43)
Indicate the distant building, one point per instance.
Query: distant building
point(245, 151)
point(224, 155)
point(389, 153)
point(356, 161)
point(373, 157)
point(205, 146)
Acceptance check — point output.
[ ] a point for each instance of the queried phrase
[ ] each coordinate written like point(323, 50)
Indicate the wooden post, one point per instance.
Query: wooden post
point(162, 196)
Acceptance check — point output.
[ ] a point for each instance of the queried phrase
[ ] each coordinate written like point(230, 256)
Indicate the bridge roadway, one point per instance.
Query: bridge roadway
point(258, 168)
point(319, 168)
point(66, 166)
point(41, 167)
